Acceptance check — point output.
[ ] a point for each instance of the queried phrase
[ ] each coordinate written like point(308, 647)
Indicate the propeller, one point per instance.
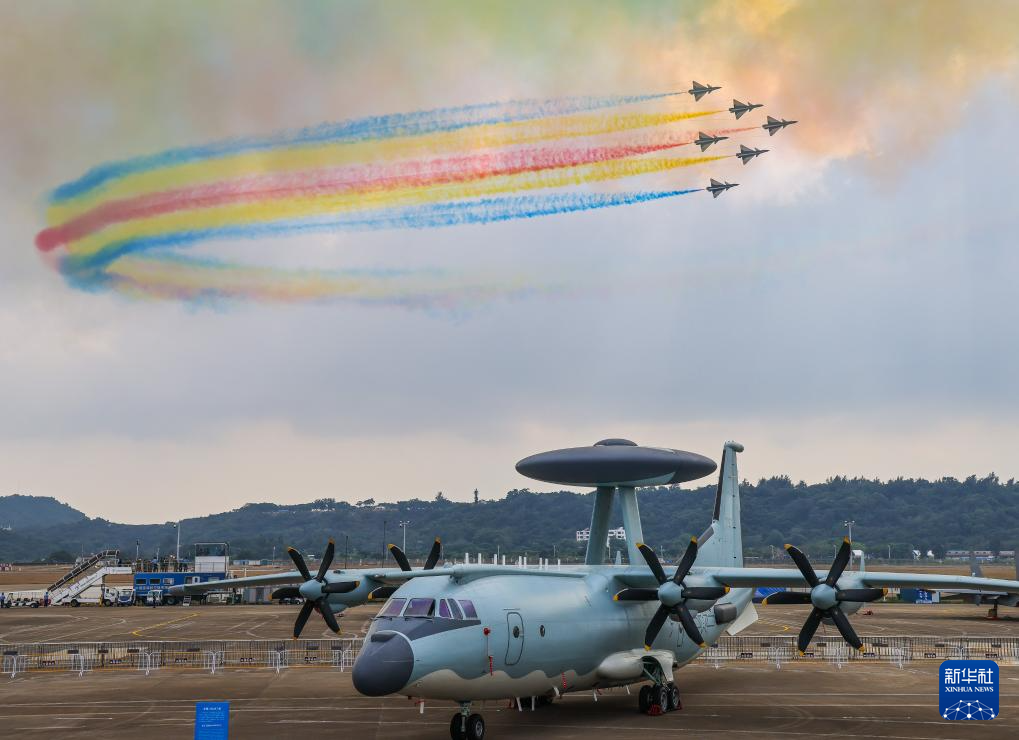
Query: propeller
point(315, 590)
point(825, 596)
point(430, 562)
point(672, 594)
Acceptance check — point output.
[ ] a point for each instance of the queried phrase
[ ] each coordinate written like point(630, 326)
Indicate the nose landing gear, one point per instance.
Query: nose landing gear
point(466, 726)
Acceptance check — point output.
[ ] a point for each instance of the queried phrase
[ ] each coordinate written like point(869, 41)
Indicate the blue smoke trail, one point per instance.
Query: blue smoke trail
point(85, 269)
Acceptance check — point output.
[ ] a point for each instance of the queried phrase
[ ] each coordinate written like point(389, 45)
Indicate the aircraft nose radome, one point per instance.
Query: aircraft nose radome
point(384, 666)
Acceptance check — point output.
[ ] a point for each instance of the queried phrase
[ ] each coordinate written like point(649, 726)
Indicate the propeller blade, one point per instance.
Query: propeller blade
point(803, 564)
point(299, 562)
point(686, 563)
point(382, 592)
point(704, 593)
point(327, 614)
point(340, 587)
point(843, 625)
point(399, 557)
point(841, 561)
point(655, 626)
point(287, 592)
point(302, 618)
point(809, 628)
point(327, 560)
point(689, 626)
point(636, 594)
point(433, 556)
point(652, 562)
point(861, 594)
point(786, 597)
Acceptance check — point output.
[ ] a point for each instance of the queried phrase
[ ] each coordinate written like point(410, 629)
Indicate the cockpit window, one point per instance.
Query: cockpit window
point(457, 614)
point(420, 608)
point(444, 610)
point(393, 608)
point(468, 607)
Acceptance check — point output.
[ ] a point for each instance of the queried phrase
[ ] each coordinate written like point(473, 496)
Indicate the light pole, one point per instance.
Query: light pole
point(849, 523)
point(404, 525)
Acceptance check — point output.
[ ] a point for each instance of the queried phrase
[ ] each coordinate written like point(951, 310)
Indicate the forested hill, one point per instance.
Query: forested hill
point(981, 513)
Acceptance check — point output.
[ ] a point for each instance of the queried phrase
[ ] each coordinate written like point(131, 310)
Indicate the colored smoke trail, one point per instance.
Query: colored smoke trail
point(334, 155)
point(341, 180)
point(309, 207)
point(372, 127)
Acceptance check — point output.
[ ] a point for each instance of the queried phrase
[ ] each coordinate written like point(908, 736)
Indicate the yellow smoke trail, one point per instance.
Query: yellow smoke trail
point(300, 158)
point(297, 208)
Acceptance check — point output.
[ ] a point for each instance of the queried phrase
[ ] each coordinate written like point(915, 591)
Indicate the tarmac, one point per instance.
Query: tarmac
point(744, 700)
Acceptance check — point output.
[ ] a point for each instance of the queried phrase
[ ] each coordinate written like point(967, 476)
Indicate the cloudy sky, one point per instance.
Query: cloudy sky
point(850, 308)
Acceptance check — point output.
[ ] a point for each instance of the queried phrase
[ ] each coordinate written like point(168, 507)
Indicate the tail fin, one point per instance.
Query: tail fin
point(722, 543)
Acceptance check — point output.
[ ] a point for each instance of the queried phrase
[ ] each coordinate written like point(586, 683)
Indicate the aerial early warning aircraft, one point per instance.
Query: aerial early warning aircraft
point(466, 633)
point(773, 125)
point(746, 153)
point(699, 91)
point(738, 108)
point(703, 140)
point(716, 188)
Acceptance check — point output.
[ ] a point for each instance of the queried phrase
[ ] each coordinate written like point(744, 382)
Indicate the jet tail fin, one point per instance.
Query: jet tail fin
point(722, 543)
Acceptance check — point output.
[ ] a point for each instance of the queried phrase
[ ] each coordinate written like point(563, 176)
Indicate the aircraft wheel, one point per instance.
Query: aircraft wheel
point(456, 727)
point(659, 700)
point(674, 702)
point(475, 727)
point(644, 699)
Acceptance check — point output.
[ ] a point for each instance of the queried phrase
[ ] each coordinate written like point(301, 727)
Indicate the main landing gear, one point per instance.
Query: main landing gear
point(466, 726)
point(659, 699)
point(661, 695)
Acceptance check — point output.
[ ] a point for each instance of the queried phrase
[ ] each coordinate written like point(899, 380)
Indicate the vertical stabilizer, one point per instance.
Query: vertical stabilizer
point(722, 543)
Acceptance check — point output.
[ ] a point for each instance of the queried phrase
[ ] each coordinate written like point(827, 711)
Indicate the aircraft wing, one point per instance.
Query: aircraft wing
point(270, 579)
point(789, 577)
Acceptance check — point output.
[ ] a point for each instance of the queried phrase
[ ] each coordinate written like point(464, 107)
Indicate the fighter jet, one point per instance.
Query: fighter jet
point(774, 125)
point(716, 188)
point(704, 141)
point(746, 153)
point(738, 108)
point(699, 91)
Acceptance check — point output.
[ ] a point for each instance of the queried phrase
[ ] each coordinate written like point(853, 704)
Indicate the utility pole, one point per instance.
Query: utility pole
point(404, 525)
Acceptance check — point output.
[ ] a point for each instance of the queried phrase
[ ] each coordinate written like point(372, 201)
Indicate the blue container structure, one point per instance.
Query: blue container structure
point(210, 564)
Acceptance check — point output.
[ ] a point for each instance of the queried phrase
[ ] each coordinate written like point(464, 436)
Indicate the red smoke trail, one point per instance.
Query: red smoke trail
point(345, 179)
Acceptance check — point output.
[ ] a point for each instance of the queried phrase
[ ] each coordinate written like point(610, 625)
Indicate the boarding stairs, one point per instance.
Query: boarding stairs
point(68, 593)
point(105, 557)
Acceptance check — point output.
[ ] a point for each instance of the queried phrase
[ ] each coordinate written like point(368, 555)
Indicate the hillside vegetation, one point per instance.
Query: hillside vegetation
point(906, 514)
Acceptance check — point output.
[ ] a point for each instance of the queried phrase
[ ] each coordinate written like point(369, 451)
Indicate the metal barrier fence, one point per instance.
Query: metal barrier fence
point(280, 655)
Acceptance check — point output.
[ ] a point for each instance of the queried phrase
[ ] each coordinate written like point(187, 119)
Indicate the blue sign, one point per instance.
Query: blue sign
point(969, 689)
point(212, 720)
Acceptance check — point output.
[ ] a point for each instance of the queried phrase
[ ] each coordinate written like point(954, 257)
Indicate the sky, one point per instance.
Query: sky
point(848, 309)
